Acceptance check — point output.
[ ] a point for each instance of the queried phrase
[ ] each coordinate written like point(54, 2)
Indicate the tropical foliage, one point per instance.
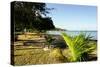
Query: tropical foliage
point(79, 46)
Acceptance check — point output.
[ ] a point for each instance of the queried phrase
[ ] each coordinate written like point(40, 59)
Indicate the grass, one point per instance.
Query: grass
point(57, 55)
point(30, 56)
point(39, 56)
point(77, 47)
point(36, 56)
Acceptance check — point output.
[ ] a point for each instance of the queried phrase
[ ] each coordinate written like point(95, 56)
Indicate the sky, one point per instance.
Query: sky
point(73, 17)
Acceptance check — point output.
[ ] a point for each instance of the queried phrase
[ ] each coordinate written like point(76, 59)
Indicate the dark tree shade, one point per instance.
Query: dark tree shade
point(29, 15)
point(44, 24)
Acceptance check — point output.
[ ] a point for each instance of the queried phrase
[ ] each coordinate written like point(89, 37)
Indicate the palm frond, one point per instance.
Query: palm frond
point(78, 45)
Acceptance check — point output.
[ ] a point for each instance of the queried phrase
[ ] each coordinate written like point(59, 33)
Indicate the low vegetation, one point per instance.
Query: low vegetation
point(79, 46)
point(37, 56)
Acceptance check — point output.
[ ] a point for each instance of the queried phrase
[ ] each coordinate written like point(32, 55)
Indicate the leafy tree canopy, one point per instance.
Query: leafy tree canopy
point(30, 16)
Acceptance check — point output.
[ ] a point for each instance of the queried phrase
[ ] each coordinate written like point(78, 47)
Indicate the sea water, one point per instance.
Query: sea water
point(93, 34)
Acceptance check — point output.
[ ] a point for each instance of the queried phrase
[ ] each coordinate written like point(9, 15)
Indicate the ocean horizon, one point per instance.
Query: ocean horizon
point(93, 34)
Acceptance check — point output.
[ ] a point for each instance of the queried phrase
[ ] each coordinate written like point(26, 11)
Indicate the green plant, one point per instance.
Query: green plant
point(79, 46)
point(49, 40)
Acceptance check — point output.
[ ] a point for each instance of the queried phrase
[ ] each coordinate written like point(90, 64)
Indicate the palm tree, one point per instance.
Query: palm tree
point(79, 46)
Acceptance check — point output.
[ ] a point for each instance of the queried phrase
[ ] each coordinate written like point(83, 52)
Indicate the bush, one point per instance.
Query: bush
point(79, 46)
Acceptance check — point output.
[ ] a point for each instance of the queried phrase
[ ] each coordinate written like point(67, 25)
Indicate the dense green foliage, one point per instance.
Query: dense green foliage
point(79, 46)
point(30, 16)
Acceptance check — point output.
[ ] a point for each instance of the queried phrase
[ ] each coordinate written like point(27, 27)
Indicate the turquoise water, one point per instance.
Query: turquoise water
point(73, 33)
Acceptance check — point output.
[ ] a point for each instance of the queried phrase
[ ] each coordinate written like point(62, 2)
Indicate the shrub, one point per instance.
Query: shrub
point(79, 46)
